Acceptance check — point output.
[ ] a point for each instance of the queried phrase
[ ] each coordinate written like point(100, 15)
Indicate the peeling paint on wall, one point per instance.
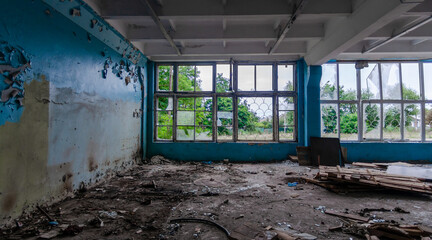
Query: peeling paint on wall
point(13, 63)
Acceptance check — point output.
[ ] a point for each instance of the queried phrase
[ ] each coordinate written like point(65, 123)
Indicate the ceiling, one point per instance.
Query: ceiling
point(258, 30)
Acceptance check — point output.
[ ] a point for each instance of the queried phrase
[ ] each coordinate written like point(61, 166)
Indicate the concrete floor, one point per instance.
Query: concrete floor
point(243, 198)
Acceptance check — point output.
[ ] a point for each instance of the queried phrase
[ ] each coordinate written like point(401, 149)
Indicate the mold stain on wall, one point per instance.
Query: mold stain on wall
point(24, 153)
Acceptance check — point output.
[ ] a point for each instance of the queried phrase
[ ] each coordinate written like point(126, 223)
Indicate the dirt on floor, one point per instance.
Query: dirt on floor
point(250, 201)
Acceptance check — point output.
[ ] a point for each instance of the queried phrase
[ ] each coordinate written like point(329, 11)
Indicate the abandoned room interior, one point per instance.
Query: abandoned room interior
point(216, 119)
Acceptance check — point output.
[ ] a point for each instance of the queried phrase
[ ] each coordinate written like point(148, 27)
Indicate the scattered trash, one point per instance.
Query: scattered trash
point(292, 184)
point(50, 234)
point(111, 214)
point(321, 208)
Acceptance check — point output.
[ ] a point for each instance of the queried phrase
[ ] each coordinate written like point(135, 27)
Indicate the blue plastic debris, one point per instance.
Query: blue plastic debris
point(292, 184)
point(53, 223)
point(209, 162)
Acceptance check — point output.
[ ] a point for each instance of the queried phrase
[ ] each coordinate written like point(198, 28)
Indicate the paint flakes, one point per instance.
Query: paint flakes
point(75, 12)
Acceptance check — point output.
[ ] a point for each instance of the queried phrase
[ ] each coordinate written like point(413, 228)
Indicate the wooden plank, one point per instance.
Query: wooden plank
point(346, 215)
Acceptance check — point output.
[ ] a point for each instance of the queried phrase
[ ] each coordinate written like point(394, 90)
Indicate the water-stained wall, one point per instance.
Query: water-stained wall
point(71, 102)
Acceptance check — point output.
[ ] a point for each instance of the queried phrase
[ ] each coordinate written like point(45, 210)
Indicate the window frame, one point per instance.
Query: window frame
point(235, 94)
point(381, 102)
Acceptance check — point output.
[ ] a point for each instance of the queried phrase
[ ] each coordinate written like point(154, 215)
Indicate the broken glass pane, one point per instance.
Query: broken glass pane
point(203, 133)
point(165, 78)
point(186, 104)
point(428, 121)
point(264, 76)
point(347, 82)
point(246, 78)
point(225, 133)
point(390, 81)
point(371, 121)
point(185, 133)
point(427, 70)
point(285, 78)
point(328, 82)
point(186, 78)
point(348, 121)
point(286, 125)
point(224, 118)
point(164, 103)
point(255, 118)
point(164, 118)
point(286, 103)
point(204, 78)
point(392, 121)
point(204, 103)
point(329, 120)
point(370, 82)
point(203, 118)
point(185, 118)
point(410, 81)
point(412, 120)
point(224, 104)
point(164, 133)
point(223, 73)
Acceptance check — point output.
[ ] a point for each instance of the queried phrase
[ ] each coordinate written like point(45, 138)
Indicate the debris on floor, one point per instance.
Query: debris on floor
point(368, 179)
point(167, 200)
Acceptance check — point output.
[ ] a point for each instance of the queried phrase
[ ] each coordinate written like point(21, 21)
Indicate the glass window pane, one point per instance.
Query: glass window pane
point(371, 121)
point(185, 133)
point(286, 103)
point(204, 78)
point(329, 120)
point(186, 78)
point(285, 77)
point(225, 119)
point(224, 104)
point(255, 118)
point(410, 81)
point(185, 118)
point(328, 82)
point(347, 82)
point(164, 133)
point(164, 118)
point(412, 120)
point(264, 76)
point(203, 133)
point(186, 104)
point(223, 78)
point(370, 82)
point(348, 121)
point(428, 121)
point(165, 78)
point(392, 120)
point(286, 125)
point(390, 81)
point(246, 78)
point(427, 70)
point(165, 103)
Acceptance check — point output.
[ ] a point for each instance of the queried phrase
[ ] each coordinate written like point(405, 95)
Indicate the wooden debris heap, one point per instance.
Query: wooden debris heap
point(339, 179)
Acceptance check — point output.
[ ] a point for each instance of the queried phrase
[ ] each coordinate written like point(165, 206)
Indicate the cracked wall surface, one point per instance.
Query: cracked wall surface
point(75, 124)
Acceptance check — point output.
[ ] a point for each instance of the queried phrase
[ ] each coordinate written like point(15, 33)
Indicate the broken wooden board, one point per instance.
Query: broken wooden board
point(347, 215)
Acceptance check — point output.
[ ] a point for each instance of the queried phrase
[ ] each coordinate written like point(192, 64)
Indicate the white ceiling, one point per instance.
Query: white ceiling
point(248, 29)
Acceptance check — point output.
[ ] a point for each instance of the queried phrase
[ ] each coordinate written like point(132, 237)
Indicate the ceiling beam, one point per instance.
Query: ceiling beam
point(190, 8)
point(161, 27)
point(287, 26)
point(398, 33)
point(243, 48)
point(197, 33)
point(368, 18)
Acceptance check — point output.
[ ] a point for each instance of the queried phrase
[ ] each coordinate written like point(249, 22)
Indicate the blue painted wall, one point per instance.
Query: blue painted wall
point(81, 119)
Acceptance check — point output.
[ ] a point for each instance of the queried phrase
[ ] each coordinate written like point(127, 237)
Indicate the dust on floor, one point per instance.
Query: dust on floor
point(243, 198)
